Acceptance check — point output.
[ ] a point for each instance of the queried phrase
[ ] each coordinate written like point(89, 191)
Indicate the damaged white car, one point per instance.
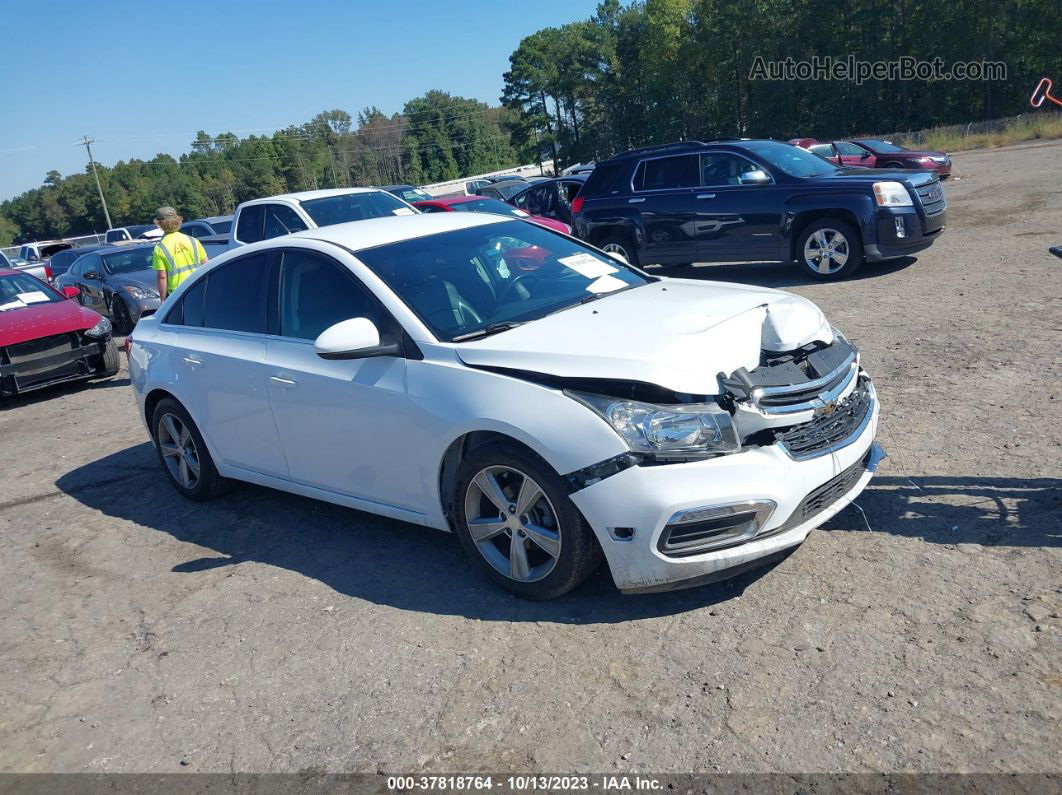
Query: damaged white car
point(549, 404)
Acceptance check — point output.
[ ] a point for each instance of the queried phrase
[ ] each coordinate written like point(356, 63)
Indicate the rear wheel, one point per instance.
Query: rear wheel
point(515, 521)
point(829, 250)
point(895, 165)
point(622, 245)
point(183, 453)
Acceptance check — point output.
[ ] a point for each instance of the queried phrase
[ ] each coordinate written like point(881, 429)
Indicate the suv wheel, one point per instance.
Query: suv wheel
point(515, 521)
point(829, 250)
point(622, 245)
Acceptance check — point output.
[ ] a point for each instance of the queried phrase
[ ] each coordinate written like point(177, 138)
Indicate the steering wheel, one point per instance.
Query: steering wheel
point(503, 296)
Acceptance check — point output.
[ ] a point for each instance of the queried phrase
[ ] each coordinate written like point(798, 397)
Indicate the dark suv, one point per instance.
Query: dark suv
point(741, 200)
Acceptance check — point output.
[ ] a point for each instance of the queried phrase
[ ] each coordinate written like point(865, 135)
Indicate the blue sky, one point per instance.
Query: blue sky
point(122, 73)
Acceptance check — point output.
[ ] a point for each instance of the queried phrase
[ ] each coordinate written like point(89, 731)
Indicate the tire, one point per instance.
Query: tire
point(894, 165)
point(837, 239)
point(111, 362)
point(170, 419)
point(622, 245)
point(120, 319)
point(560, 550)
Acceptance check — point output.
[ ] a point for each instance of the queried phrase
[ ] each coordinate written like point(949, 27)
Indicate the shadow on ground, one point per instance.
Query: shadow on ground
point(415, 568)
point(773, 274)
point(59, 390)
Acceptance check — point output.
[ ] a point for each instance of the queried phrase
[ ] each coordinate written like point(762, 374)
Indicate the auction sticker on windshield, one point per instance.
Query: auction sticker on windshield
point(587, 265)
point(32, 297)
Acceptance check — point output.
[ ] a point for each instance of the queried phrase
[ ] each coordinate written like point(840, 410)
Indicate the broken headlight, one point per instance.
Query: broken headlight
point(683, 431)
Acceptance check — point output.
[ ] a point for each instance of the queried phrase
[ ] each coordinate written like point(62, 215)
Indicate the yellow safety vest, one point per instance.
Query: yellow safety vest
point(177, 254)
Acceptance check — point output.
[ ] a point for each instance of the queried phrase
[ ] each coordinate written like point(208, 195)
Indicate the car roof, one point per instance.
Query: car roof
point(307, 195)
point(111, 249)
point(211, 219)
point(451, 200)
point(372, 232)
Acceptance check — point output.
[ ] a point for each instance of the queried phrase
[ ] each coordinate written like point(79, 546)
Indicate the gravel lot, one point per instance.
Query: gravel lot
point(266, 632)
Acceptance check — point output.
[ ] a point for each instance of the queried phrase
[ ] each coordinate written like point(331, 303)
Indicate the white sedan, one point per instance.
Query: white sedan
point(484, 375)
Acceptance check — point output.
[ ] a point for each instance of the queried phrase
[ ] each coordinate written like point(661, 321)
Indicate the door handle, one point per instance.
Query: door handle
point(191, 361)
point(287, 383)
point(705, 195)
point(635, 201)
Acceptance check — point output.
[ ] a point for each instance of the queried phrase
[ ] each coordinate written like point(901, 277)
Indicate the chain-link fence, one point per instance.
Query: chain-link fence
point(919, 137)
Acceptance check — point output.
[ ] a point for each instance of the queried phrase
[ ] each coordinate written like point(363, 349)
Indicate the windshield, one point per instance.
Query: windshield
point(132, 259)
point(221, 227)
point(509, 189)
point(20, 290)
point(469, 280)
point(487, 205)
point(354, 207)
point(792, 160)
point(412, 194)
point(882, 146)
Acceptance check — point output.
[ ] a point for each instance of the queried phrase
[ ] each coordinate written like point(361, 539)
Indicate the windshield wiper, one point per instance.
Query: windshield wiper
point(486, 331)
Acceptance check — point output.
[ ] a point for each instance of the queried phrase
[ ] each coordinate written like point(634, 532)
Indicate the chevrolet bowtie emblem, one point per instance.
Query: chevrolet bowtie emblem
point(826, 409)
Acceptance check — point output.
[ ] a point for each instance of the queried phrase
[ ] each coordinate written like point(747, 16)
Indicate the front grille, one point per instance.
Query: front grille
point(826, 431)
point(932, 197)
point(801, 393)
point(825, 495)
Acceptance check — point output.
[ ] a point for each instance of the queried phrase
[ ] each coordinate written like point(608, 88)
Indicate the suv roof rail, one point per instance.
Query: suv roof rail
point(678, 146)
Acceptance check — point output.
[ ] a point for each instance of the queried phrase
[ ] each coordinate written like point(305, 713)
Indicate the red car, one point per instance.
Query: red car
point(872, 153)
point(45, 338)
point(485, 204)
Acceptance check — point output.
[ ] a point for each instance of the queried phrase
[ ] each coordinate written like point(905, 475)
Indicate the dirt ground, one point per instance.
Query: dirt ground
point(920, 631)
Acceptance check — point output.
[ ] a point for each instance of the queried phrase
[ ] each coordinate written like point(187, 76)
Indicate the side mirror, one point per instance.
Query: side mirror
point(71, 292)
point(757, 177)
point(357, 338)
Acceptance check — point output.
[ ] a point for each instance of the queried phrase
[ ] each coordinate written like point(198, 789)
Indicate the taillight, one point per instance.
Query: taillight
point(47, 271)
point(577, 205)
point(128, 344)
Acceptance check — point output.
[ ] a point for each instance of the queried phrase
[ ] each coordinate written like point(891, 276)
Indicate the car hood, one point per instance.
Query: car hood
point(676, 333)
point(141, 278)
point(43, 320)
point(868, 176)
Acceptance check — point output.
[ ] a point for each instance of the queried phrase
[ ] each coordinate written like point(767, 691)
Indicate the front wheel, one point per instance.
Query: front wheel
point(829, 250)
point(120, 318)
point(515, 521)
point(622, 245)
point(110, 362)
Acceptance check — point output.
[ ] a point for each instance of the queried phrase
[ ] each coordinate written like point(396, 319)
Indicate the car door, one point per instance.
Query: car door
point(736, 221)
point(826, 151)
point(567, 190)
point(344, 423)
point(221, 340)
point(854, 155)
point(666, 196)
point(90, 281)
point(280, 219)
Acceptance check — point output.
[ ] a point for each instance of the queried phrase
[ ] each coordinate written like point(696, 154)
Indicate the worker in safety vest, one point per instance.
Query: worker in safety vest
point(176, 255)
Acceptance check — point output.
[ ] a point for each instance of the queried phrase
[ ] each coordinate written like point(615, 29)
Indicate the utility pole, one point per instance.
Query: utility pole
point(85, 142)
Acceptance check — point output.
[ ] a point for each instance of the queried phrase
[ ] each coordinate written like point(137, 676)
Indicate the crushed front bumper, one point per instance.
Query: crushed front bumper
point(630, 510)
point(50, 360)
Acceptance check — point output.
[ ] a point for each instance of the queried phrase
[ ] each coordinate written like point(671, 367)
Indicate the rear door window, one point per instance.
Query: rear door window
point(667, 173)
point(236, 294)
point(249, 227)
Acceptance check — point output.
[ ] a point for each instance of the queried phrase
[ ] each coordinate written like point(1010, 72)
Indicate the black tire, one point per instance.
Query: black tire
point(852, 247)
point(620, 244)
point(894, 165)
point(121, 321)
point(209, 483)
point(579, 554)
point(111, 362)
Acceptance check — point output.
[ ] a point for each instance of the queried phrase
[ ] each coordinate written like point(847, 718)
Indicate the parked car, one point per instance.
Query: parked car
point(117, 282)
point(548, 403)
point(502, 190)
point(407, 193)
point(208, 227)
point(741, 200)
point(40, 252)
point(40, 270)
point(472, 186)
point(578, 168)
point(137, 232)
point(551, 198)
point(60, 263)
point(264, 219)
point(485, 204)
point(870, 153)
point(47, 339)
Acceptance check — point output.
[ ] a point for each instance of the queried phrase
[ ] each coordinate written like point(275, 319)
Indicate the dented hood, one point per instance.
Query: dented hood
point(676, 333)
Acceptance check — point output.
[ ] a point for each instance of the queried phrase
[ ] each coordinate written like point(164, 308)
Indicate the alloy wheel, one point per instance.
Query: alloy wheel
point(512, 523)
point(179, 450)
point(616, 248)
point(826, 251)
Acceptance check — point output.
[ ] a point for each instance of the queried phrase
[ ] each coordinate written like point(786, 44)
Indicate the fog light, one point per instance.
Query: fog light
point(901, 230)
point(699, 530)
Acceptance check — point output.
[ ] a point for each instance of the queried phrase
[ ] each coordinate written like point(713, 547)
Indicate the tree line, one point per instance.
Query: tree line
point(633, 74)
point(436, 137)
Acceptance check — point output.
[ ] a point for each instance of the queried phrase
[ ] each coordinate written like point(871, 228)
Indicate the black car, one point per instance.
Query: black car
point(117, 282)
point(60, 263)
point(739, 200)
point(551, 198)
point(502, 190)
